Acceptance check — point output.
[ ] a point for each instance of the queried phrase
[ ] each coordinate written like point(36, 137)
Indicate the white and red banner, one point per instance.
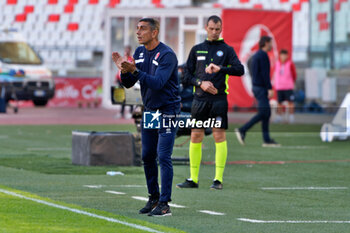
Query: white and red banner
point(72, 92)
point(242, 29)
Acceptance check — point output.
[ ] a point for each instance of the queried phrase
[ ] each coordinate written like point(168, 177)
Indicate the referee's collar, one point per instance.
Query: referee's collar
point(220, 40)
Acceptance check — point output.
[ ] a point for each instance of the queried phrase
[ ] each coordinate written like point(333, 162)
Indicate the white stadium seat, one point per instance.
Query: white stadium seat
point(55, 37)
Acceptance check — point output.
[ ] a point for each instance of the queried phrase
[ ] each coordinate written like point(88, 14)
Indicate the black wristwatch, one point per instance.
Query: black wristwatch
point(198, 83)
point(136, 72)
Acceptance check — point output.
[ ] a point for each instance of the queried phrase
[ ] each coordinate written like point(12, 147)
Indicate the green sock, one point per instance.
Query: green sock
point(220, 159)
point(195, 160)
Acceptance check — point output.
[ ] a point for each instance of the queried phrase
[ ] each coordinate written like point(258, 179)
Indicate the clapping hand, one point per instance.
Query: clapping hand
point(123, 65)
point(117, 60)
point(128, 66)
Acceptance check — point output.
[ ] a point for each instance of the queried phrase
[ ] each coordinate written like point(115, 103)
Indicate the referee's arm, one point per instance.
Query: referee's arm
point(235, 66)
point(190, 68)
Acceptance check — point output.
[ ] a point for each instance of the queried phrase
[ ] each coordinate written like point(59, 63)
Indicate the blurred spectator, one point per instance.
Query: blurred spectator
point(129, 58)
point(285, 76)
point(2, 100)
point(186, 91)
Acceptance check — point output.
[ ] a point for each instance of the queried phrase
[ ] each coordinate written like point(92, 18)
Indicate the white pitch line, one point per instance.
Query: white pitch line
point(146, 199)
point(211, 212)
point(289, 221)
point(93, 186)
point(120, 186)
point(48, 149)
point(304, 147)
point(304, 188)
point(132, 225)
point(115, 192)
point(130, 186)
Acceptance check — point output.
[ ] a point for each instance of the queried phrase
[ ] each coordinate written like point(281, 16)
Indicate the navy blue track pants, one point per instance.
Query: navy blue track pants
point(158, 143)
point(263, 115)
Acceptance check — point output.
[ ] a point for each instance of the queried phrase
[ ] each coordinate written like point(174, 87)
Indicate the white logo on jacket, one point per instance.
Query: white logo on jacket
point(155, 62)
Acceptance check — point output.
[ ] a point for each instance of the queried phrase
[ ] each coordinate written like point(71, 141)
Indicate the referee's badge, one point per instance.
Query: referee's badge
point(219, 53)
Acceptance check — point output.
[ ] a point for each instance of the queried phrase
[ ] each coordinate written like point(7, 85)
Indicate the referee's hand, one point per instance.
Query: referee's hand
point(208, 86)
point(212, 68)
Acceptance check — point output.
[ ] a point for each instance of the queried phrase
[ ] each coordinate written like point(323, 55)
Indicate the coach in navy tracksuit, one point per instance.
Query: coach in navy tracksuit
point(155, 66)
point(262, 89)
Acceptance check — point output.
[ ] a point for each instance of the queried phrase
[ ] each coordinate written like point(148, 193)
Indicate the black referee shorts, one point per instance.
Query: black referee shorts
point(204, 110)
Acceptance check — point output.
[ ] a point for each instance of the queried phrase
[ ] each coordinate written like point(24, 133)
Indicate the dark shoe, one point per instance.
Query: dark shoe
point(271, 143)
point(216, 185)
point(187, 184)
point(240, 136)
point(150, 205)
point(162, 209)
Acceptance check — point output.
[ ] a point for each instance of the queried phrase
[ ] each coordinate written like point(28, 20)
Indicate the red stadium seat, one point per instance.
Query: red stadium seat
point(51, 2)
point(324, 26)
point(28, 9)
point(243, 1)
point(54, 18)
point(69, 8)
point(72, 2)
point(284, 1)
point(258, 6)
point(11, 2)
point(73, 27)
point(337, 6)
point(322, 17)
point(93, 2)
point(160, 5)
point(217, 5)
point(296, 6)
point(21, 18)
point(112, 3)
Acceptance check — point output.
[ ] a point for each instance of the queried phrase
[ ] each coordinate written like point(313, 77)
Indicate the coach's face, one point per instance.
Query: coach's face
point(144, 33)
point(269, 46)
point(213, 30)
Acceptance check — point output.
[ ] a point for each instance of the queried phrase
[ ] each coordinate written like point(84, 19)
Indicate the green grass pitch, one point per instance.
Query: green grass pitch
point(35, 161)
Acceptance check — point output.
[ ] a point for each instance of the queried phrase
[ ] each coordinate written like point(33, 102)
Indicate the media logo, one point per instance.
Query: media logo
point(152, 120)
point(157, 120)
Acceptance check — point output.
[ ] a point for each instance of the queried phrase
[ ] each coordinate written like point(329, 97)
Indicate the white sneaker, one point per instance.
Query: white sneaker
point(291, 119)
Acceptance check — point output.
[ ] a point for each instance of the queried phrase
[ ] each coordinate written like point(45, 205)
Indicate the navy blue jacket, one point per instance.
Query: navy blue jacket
point(158, 77)
point(261, 70)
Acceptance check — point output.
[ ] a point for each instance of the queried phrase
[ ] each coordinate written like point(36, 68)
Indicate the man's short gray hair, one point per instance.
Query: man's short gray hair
point(153, 23)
